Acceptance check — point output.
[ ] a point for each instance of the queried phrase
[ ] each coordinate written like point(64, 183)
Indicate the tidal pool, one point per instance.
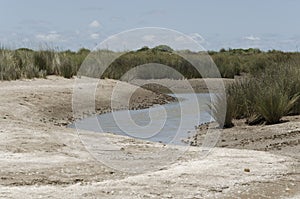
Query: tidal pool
point(169, 123)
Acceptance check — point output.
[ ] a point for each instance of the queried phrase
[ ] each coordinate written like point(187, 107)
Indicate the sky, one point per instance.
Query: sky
point(216, 24)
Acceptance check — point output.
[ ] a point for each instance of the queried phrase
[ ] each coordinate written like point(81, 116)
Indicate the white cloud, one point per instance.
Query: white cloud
point(252, 38)
point(94, 24)
point(51, 36)
point(94, 36)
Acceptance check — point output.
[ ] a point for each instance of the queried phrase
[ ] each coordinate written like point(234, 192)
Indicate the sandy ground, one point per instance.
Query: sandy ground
point(41, 158)
point(279, 139)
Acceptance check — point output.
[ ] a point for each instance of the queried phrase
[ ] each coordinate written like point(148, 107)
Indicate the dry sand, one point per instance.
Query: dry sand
point(41, 158)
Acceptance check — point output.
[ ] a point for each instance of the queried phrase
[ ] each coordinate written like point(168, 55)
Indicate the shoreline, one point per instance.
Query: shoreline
point(41, 157)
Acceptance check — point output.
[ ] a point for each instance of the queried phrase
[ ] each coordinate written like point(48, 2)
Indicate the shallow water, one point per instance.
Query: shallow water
point(169, 123)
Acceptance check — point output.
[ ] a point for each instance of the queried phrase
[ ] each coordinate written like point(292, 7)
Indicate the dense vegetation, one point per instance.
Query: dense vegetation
point(160, 55)
point(263, 97)
point(26, 63)
point(267, 96)
point(268, 91)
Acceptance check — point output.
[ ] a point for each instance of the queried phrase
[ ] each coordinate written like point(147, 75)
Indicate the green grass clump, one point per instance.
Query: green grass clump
point(66, 68)
point(274, 104)
point(9, 65)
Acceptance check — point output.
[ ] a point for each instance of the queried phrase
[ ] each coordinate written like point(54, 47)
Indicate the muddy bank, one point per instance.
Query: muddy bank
point(283, 138)
point(184, 86)
point(50, 100)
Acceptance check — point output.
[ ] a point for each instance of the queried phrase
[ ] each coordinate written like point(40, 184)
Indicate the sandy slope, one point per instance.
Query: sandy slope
point(42, 158)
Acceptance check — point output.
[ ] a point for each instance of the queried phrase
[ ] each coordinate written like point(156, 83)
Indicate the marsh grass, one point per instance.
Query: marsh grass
point(268, 96)
point(9, 65)
point(222, 110)
point(272, 106)
point(26, 63)
point(66, 68)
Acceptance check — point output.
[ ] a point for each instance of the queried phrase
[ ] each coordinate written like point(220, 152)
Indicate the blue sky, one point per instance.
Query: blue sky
point(67, 24)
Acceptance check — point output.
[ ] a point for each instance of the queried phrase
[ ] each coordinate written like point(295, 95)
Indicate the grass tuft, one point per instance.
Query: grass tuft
point(222, 108)
point(273, 105)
